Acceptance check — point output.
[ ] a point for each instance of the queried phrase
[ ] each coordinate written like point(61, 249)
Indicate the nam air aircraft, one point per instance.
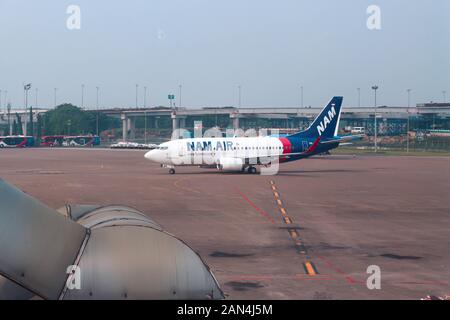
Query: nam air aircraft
point(246, 153)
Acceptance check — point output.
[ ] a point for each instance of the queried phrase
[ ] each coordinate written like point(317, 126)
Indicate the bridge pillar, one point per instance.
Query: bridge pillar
point(235, 120)
point(132, 127)
point(182, 122)
point(174, 121)
point(124, 126)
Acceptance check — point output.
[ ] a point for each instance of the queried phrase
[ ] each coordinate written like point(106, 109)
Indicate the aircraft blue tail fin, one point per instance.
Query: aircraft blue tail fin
point(326, 124)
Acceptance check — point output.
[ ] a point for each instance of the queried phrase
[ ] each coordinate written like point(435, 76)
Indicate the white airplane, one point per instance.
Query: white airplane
point(245, 153)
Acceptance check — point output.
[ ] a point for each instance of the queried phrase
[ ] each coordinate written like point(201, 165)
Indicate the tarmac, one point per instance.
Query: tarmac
point(310, 232)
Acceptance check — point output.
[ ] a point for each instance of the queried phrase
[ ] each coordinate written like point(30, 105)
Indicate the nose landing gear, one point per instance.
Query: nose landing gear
point(171, 168)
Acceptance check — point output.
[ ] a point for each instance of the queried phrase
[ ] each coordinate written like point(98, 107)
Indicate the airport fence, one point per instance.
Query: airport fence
point(422, 143)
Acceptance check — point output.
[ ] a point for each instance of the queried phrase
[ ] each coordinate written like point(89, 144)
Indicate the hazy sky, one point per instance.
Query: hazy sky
point(210, 47)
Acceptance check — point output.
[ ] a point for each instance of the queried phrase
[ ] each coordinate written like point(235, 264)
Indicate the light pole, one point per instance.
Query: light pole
point(179, 98)
point(145, 115)
point(407, 122)
point(409, 97)
point(8, 108)
point(240, 96)
point(171, 97)
point(82, 96)
point(56, 89)
point(145, 97)
point(359, 97)
point(1, 101)
point(444, 94)
point(137, 91)
point(301, 97)
point(36, 98)
point(98, 89)
point(98, 97)
point(375, 88)
point(26, 88)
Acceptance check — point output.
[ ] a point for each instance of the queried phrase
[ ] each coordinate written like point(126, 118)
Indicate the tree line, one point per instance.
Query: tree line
point(65, 119)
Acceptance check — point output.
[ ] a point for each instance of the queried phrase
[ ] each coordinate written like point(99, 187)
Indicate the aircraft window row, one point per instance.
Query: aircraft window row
point(162, 148)
point(258, 148)
point(255, 148)
point(250, 148)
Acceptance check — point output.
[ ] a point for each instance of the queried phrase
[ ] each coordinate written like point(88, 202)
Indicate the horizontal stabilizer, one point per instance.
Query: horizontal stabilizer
point(342, 139)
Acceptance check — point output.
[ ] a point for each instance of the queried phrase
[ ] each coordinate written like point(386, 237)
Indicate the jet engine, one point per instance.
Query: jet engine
point(230, 164)
point(93, 252)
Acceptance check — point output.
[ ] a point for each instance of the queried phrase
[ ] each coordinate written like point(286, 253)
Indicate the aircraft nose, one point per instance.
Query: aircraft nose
point(151, 155)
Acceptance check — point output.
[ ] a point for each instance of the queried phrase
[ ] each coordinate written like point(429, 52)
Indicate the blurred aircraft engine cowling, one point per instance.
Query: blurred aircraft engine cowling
point(114, 252)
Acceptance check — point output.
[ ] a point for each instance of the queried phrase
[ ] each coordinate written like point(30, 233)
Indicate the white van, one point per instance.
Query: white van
point(358, 130)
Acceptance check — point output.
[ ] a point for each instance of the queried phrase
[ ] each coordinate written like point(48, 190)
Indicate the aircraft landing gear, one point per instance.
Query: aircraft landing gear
point(251, 170)
point(170, 167)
